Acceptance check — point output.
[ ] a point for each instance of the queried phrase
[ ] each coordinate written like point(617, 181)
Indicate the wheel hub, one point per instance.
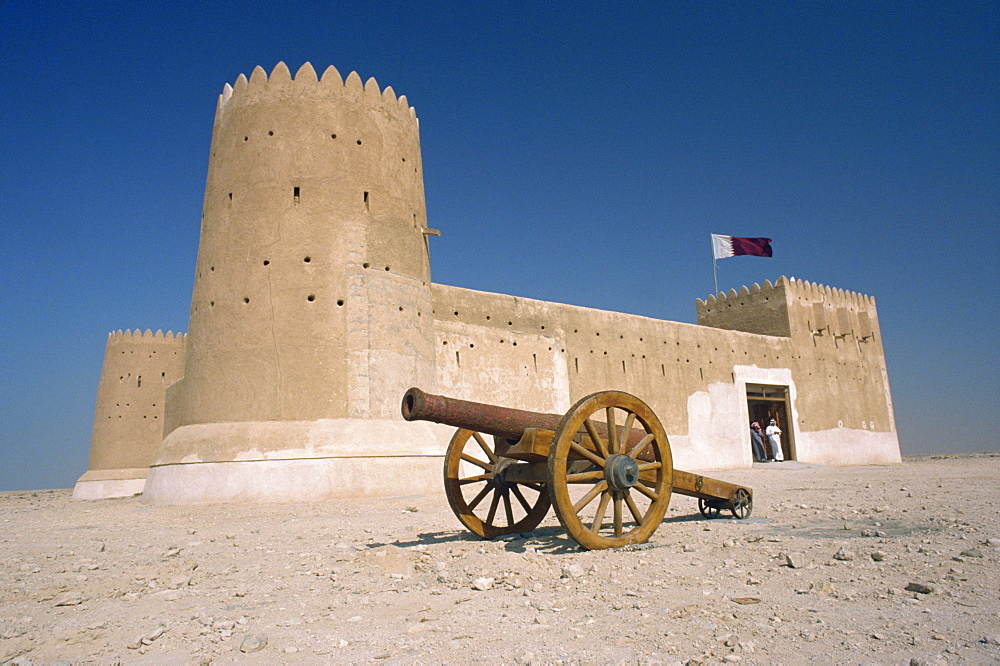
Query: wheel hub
point(621, 471)
point(499, 473)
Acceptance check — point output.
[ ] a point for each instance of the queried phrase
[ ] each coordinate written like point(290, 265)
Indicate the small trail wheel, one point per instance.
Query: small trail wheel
point(479, 494)
point(741, 503)
point(610, 471)
point(708, 509)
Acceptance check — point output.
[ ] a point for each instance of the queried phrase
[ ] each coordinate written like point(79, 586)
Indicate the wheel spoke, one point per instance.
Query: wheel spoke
point(633, 508)
point(596, 438)
point(493, 508)
point(626, 432)
point(520, 498)
point(618, 515)
point(486, 449)
point(584, 477)
point(646, 467)
point(602, 506)
point(589, 497)
point(643, 443)
point(474, 479)
point(508, 509)
point(589, 455)
point(479, 498)
point(612, 433)
point(477, 462)
point(642, 488)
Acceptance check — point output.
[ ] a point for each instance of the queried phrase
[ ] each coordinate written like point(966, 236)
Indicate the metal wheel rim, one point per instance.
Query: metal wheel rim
point(645, 502)
point(483, 506)
point(741, 504)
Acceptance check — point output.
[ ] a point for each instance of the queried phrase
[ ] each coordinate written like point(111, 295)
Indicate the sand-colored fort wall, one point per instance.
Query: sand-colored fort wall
point(544, 356)
point(311, 307)
point(129, 415)
point(843, 402)
point(313, 311)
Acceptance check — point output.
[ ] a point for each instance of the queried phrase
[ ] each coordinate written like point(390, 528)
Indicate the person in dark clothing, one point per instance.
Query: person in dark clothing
point(757, 443)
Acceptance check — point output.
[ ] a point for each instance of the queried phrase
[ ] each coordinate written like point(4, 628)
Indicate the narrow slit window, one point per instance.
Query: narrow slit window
point(296, 193)
point(367, 204)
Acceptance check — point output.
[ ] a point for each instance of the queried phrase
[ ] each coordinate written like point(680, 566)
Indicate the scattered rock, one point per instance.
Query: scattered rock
point(483, 583)
point(71, 598)
point(572, 571)
point(878, 556)
point(153, 635)
point(844, 555)
point(919, 588)
point(971, 552)
point(796, 560)
point(253, 642)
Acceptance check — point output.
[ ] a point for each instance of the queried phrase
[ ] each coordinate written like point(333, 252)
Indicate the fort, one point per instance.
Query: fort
point(313, 311)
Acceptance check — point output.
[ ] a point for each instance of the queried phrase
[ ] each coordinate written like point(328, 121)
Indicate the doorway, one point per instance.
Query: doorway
point(766, 402)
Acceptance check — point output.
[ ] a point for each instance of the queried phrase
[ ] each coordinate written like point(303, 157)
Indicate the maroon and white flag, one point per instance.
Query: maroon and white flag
point(734, 246)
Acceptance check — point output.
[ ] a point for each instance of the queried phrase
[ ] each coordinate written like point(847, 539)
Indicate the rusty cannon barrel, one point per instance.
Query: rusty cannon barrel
point(503, 422)
point(489, 419)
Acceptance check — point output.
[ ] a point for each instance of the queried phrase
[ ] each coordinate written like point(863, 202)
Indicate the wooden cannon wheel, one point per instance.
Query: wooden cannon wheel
point(480, 495)
point(594, 462)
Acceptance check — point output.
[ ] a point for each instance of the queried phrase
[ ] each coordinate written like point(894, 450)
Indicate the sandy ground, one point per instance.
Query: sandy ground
point(818, 574)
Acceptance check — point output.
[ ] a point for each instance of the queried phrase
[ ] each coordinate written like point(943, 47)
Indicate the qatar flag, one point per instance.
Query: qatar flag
point(734, 246)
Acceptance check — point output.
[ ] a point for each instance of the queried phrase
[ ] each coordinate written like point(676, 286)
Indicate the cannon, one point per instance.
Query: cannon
point(605, 466)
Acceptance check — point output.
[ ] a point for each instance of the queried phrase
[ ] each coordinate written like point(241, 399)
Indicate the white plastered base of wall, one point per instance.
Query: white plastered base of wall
point(110, 483)
point(333, 459)
point(719, 422)
point(848, 446)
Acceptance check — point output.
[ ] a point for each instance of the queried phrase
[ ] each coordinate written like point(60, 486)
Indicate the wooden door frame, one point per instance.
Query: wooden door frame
point(782, 413)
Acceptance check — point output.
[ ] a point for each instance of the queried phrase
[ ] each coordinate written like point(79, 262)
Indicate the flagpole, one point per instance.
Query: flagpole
point(715, 276)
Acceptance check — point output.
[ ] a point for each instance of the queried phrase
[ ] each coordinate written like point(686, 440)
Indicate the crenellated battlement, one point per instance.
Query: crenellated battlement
point(722, 299)
point(797, 289)
point(789, 307)
point(832, 296)
point(137, 336)
point(280, 84)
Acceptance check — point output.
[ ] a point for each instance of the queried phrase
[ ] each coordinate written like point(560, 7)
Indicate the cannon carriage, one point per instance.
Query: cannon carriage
point(605, 467)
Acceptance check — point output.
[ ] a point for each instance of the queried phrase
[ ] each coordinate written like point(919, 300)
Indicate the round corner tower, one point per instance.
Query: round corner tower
point(129, 415)
point(311, 311)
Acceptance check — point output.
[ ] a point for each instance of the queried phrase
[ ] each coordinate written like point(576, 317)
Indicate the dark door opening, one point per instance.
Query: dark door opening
point(771, 402)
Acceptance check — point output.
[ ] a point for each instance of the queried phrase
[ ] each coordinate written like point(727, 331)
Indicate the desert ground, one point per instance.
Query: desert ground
point(850, 565)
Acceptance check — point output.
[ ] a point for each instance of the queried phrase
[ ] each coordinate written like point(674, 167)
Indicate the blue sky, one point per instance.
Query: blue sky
point(573, 152)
